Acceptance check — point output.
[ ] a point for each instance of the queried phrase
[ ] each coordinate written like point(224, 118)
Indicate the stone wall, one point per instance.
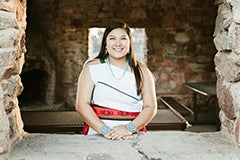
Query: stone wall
point(179, 50)
point(227, 60)
point(179, 42)
point(12, 49)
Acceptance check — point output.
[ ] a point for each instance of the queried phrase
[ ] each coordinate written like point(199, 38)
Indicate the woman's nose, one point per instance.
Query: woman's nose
point(118, 42)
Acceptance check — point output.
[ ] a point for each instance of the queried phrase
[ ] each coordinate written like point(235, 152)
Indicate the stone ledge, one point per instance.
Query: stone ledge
point(161, 145)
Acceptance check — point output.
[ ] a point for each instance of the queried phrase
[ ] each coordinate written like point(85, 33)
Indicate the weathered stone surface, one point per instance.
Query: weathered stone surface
point(11, 60)
point(217, 2)
point(4, 128)
point(235, 88)
point(234, 37)
point(9, 5)
point(8, 38)
point(221, 41)
point(179, 35)
point(236, 14)
point(4, 145)
point(3, 118)
point(228, 106)
point(16, 125)
point(234, 3)
point(223, 19)
point(237, 129)
point(225, 101)
point(8, 20)
point(228, 64)
point(165, 145)
point(9, 63)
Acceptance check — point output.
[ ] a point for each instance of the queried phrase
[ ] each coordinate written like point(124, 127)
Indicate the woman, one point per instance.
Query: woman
point(116, 94)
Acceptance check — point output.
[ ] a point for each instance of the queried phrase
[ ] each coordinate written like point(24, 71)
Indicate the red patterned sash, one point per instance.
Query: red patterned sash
point(112, 114)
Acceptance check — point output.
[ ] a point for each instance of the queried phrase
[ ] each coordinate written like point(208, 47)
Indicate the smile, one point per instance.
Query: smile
point(118, 49)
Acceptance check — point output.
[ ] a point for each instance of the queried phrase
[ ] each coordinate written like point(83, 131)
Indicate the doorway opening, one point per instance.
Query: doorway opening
point(35, 86)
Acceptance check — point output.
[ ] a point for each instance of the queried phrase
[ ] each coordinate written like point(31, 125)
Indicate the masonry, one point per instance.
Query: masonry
point(49, 39)
point(180, 44)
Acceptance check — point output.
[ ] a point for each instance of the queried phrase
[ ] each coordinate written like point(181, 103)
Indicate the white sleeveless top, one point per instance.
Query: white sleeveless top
point(114, 93)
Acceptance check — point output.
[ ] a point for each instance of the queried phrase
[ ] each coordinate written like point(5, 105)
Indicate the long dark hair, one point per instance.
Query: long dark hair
point(131, 57)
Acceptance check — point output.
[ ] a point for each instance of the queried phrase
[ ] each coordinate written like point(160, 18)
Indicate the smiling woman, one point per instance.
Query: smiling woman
point(116, 94)
point(138, 36)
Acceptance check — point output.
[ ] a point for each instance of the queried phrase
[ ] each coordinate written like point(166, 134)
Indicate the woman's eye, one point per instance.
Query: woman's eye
point(111, 38)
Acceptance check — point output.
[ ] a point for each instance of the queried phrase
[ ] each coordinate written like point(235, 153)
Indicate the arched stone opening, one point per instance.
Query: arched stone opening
point(35, 84)
point(69, 55)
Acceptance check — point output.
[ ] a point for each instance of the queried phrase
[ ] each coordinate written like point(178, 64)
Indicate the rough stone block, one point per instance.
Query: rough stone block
point(7, 56)
point(221, 41)
point(225, 100)
point(8, 38)
point(9, 5)
point(227, 64)
point(237, 130)
point(8, 20)
point(3, 119)
point(234, 37)
point(236, 14)
point(234, 3)
point(165, 145)
point(4, 145)
point(235, 88)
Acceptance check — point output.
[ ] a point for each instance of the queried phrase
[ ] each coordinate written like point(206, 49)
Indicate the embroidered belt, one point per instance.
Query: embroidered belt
point(112, 114)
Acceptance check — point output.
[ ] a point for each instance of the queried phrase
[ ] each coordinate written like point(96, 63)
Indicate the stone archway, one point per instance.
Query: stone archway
point(12, 49)
point(35, 84)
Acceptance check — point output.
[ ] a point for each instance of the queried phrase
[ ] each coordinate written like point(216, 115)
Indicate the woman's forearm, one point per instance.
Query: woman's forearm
point(145, 116)
point(90, 117)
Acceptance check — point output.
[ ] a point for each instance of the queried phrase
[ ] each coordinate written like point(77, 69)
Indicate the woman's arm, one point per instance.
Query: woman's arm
point(83, 100)
point(149, 99)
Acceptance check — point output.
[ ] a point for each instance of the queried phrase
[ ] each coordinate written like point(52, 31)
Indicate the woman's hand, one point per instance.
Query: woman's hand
point(119, 133)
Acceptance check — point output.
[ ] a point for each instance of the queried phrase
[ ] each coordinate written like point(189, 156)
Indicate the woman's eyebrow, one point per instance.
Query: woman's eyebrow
point(120, 36)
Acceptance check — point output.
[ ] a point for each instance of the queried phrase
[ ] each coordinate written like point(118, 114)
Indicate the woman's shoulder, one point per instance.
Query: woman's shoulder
point(90, 62)
point(143, 67)
point(145, 70)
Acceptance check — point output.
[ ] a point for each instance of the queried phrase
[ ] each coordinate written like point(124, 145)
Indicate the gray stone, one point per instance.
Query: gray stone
point(227, 64)
point(162, 145)
point(221, 41)
point(234, 37)
point(236, 14)
point(8, 38)
point(8, 20)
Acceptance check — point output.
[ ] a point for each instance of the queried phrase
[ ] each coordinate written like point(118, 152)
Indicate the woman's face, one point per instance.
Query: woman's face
point(117, 43)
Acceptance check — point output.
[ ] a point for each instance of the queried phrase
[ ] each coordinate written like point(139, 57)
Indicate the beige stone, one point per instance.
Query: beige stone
point(234, 37)
point(167, 145)
point(227, 64)
point(9, 5)
point(8, 38)
point(176, 35)
point(7, 20)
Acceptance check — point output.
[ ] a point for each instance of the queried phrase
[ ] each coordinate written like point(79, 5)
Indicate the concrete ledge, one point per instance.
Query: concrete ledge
point(161, 145)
